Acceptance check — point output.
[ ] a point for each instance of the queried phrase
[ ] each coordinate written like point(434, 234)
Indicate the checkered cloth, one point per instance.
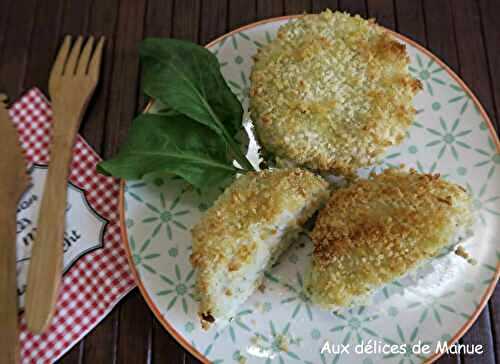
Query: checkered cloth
point(99, 279)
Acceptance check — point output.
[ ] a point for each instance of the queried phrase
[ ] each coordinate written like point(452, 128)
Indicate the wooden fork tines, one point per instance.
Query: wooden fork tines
point(72, 82)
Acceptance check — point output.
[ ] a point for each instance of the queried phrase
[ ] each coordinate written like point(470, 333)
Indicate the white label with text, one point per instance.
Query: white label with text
point(84, 227)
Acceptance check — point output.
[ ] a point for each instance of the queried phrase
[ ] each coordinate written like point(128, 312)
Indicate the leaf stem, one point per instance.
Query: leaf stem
point(240, 157)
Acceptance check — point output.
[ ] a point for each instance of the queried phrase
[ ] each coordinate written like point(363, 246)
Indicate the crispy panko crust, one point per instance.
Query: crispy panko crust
point(245, 215)
point(332, 92)
point(376, 230)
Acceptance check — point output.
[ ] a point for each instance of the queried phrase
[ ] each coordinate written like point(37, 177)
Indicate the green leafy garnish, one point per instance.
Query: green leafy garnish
point(186, 77)
point(193, 135)
point(174, 144)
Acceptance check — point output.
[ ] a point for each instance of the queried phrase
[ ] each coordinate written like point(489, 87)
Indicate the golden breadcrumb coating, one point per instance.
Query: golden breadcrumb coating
point(376, 230)
point(236, 232)
point(332, 92)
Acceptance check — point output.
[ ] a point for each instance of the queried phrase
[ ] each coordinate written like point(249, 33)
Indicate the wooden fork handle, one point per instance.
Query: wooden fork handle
point(9, 332)
point(44, 274)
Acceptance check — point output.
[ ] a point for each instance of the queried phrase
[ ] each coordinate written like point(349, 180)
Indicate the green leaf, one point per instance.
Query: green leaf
point(173, 144)
point(187, 78)
point(165, 111)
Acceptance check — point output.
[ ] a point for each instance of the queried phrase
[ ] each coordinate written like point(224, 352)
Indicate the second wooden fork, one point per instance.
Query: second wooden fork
point(73, 79)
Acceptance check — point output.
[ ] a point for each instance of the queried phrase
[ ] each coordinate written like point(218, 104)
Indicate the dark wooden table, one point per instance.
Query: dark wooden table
point(463, 33)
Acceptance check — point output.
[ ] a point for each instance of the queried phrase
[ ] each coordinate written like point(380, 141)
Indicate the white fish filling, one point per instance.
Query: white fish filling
point(243, 282)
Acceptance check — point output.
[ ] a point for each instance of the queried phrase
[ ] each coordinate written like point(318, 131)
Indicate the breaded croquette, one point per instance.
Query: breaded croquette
point(245, 231)
point(378, 229)
point(332, 92)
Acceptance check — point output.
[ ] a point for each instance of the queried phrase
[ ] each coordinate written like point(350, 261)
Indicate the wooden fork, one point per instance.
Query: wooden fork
point(72, 82)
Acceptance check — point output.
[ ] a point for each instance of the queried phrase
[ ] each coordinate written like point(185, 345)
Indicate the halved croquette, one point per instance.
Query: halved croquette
point(378, 229)
point(245, 231)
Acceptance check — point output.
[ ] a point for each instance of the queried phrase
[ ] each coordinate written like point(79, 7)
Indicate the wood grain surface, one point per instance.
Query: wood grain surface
point(463, 33)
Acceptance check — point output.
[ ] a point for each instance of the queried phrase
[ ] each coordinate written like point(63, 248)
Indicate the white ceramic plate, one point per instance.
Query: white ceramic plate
point(451, 135)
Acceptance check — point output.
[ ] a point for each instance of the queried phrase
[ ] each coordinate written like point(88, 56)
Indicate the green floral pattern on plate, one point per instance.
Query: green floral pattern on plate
point(280, 325)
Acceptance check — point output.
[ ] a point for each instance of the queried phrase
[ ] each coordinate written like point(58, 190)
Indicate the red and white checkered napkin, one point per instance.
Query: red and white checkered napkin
point(99, 279)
